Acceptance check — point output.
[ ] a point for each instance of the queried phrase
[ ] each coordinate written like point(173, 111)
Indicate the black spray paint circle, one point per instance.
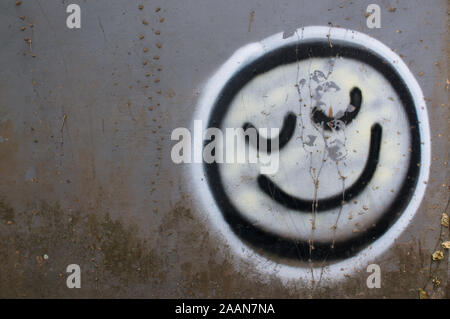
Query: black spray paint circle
point(300, 250)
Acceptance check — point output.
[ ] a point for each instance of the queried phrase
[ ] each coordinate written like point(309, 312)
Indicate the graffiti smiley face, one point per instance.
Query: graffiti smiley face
point(351, 156)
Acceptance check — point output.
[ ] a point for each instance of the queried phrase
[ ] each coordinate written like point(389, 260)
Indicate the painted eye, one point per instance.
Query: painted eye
point(329, 122)
point(286, 133)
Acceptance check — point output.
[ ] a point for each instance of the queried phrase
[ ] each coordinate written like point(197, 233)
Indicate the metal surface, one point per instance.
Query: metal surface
point(86, 173)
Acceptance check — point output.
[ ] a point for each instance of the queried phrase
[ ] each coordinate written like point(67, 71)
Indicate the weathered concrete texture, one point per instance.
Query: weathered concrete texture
point(86, 175)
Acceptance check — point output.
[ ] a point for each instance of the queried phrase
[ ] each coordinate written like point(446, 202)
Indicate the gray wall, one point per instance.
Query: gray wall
point(85, 170)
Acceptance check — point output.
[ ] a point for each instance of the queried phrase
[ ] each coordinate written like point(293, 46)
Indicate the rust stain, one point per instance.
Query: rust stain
point(116, 260)
point(250, 20)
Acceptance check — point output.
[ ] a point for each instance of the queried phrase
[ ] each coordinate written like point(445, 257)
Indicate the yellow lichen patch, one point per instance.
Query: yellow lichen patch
point(438, 255)
point(444, 220)
point(446, 244)
point(423, 294)
point(436, 281)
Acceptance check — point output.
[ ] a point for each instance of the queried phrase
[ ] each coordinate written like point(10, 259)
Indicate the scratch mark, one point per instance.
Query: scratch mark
point(329, 36)
point(101, 28)
point(62, 128)
point(250, 21)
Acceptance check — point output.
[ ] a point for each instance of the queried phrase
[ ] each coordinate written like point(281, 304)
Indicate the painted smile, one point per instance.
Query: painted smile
point(281, 197)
